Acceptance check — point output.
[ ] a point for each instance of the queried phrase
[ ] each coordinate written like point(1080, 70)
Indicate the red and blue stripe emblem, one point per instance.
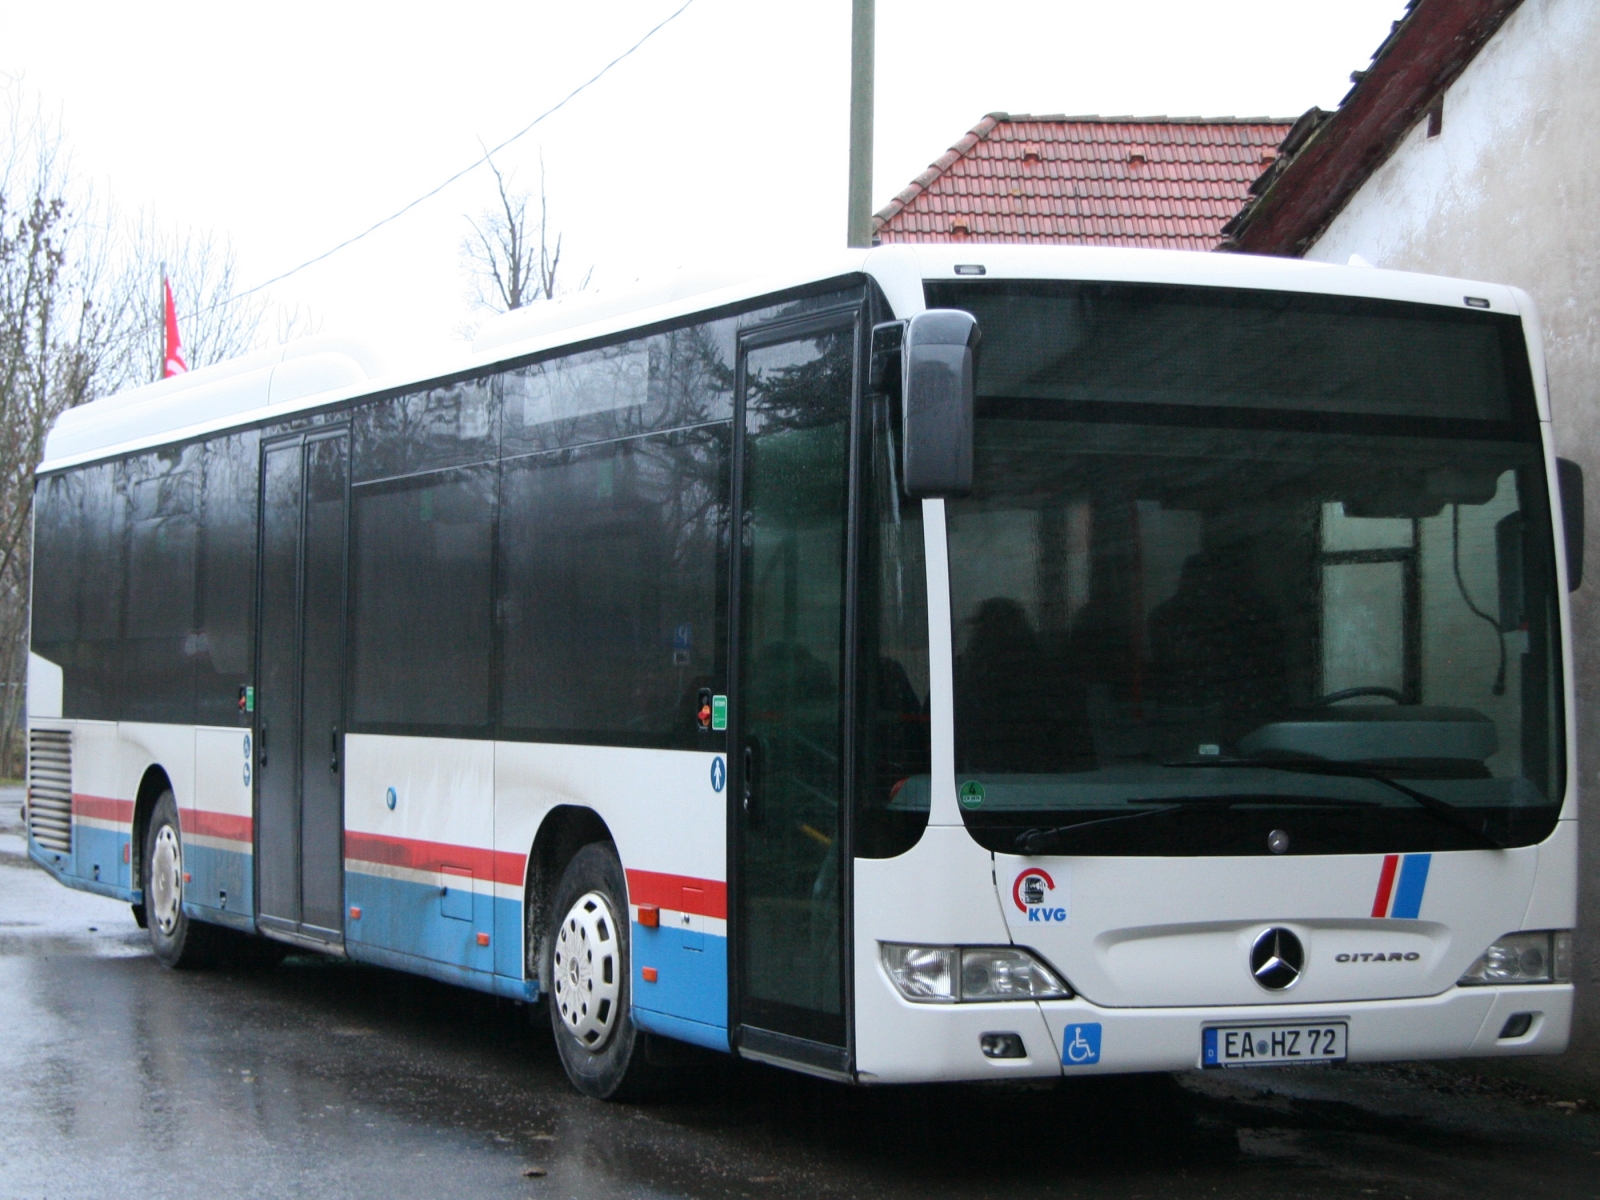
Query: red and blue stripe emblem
point(1401, 883)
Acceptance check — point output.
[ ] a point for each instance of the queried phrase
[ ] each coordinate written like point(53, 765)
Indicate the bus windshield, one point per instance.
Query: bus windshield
point(1249, 573)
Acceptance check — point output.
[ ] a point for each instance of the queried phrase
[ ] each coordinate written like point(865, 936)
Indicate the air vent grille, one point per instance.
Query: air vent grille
point(50, 789)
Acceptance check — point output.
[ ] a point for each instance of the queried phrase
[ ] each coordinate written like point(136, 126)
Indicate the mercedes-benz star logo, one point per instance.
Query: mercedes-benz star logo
point(1277, 959)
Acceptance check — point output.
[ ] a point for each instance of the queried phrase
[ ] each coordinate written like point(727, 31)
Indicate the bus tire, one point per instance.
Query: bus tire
point(587, 964)
point(178, 942)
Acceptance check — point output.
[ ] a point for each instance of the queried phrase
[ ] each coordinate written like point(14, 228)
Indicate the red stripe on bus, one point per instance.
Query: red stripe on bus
point(681, 893)
point(102, 808)
point(227, 826)
point(1380, 902)
point(489, 865)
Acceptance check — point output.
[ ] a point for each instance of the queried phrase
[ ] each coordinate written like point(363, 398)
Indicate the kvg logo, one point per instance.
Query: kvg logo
point(1031, 895)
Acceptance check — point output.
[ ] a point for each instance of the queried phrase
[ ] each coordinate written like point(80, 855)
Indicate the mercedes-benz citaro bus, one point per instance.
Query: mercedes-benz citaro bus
point(944, 663)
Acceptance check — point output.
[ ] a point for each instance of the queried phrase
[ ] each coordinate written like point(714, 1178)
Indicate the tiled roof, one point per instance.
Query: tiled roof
point(1163, 182)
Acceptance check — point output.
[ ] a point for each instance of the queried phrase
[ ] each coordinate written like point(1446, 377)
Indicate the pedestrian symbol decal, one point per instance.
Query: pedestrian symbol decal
point(719, 773)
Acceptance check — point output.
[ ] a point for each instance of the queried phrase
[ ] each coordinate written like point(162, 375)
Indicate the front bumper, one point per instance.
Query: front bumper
point(941, 1042)
point(1459, 1023)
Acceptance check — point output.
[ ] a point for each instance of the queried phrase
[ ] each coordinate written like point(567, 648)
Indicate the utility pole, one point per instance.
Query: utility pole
point(861, 94)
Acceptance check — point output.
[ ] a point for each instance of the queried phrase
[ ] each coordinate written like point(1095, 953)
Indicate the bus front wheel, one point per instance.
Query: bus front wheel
point(587, 968)
point(177, 941)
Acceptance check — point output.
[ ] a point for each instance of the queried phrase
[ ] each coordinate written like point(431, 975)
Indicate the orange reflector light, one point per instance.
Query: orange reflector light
point(188, 878)
point(650, 918)
point(126, 849)
point(355, 913)
point(649, 974)
point(483, 939)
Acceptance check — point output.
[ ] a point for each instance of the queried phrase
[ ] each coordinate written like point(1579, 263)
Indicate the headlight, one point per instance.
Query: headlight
point(1541, 957)
point(956, 974)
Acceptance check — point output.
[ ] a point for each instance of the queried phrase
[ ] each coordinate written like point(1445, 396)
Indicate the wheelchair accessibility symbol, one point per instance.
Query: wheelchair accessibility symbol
point(1082, 1045)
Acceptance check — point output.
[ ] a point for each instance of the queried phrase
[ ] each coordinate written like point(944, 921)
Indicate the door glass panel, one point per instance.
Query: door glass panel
point(797, 403)
point(322, 819)
point(278, 818)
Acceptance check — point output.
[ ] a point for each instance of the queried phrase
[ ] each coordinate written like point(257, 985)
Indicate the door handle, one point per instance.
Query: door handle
point(261, 742)
point(747, 786)
point(333, 747)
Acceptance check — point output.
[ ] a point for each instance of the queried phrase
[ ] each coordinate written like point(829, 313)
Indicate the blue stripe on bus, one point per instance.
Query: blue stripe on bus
point(95, 847)
point(408, 918)
point(59, 867)
point(213, 872)
point(712, 1037)
point(1408, 891)
point(691, 985)
point(402, 925)
point(481, 981)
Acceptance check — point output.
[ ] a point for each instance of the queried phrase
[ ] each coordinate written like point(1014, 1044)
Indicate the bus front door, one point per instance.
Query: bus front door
point(299, 697)
point(788, 750)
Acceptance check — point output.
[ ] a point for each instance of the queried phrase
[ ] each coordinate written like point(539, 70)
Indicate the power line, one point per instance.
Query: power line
point(467, 170)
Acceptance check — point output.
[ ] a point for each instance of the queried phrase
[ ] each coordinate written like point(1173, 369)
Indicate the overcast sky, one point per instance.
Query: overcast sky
point(292, 125)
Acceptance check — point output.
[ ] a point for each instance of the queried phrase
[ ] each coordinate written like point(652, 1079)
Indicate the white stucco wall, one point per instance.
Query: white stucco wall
point(1510, 192)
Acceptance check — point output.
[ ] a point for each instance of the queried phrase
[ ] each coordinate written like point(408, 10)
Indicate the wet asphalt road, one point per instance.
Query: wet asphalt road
point(317, 1078)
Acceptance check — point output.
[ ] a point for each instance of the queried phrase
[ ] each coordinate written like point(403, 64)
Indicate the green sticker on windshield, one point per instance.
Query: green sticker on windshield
point(971, 794)
point(719, 712)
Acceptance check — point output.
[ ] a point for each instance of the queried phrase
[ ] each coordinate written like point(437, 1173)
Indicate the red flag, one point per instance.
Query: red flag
point(174, 364)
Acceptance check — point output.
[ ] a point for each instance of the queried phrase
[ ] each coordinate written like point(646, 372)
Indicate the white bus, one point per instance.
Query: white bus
point(948, 663)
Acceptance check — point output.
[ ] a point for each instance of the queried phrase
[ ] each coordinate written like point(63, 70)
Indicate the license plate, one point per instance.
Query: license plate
point(1272, 1045)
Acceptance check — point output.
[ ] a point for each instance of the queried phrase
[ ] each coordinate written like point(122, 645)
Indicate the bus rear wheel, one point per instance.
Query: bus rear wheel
point(178, 942)
point(587, 967)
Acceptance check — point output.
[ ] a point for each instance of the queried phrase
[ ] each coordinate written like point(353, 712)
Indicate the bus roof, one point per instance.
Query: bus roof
point(276, 383)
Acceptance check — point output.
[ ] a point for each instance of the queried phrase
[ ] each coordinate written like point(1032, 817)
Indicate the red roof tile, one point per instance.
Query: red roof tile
point(1163, 182)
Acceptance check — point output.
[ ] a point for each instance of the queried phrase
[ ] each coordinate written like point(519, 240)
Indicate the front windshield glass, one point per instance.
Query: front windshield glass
point(1238, 563)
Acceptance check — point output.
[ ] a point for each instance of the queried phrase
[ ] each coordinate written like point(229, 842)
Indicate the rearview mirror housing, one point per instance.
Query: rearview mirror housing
point(938, 394)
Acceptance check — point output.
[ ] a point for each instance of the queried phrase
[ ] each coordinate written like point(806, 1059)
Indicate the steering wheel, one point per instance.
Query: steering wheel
point(1352, 693)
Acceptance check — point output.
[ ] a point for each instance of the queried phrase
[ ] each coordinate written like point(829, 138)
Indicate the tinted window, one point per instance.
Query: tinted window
point(99, 563)
point(663, 382)
point(227, 577)
point(423, 431)
point(892, 784)
point(613, 586)
point(57, 502)
point(1224, 348)
point(70, 596)
point(160, 494)
point(422, 636)
point(1227, 627)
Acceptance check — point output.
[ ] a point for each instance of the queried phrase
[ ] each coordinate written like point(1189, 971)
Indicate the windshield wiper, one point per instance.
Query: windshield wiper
point(1037, 841)
point(1441, 810)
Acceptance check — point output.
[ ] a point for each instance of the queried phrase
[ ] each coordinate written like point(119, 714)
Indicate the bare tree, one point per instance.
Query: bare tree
point(202, 269)
point(298, 322)
point(511, 262)
point(80, 316)
point(49, 325)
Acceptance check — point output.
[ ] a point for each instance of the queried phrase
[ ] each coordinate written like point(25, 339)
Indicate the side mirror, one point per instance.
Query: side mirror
point(1569, 482)
point(938, 394)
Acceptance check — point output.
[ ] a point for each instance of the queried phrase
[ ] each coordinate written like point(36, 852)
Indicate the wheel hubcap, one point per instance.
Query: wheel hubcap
point(587, 966)
point(166, 879)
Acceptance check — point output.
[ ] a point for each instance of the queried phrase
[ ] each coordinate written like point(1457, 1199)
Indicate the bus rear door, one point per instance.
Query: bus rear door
point(299, 704)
